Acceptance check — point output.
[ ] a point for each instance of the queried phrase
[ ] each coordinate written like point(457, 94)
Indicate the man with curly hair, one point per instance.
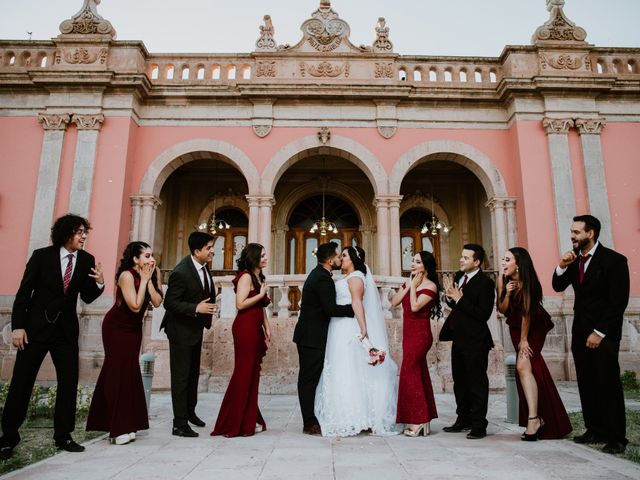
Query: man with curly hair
point(44, 320)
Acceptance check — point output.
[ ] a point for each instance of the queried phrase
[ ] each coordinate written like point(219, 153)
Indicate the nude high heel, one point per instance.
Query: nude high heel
point(423, 429)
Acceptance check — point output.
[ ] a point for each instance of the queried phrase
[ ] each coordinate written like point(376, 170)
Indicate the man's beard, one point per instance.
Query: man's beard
point(583, 243)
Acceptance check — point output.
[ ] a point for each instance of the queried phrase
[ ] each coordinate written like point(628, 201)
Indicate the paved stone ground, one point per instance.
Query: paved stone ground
point(283, 452)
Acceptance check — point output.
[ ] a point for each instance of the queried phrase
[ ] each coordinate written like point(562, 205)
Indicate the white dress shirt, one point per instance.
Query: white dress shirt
point(64, 260)
point(201, 272)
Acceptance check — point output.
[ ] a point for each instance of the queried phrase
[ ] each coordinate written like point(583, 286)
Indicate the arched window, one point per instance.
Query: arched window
point(169, 72)
point(42, 59)
point(478, 76)
point(600, 66)
point(200, 74)
point(246, 72)
point(447, 75)
point(215, 72)
point(402, 74)
point(492, 76)
point(463, 75)
point(185, 72)
point(231, 72)
point(433, 75)
point(417, 75)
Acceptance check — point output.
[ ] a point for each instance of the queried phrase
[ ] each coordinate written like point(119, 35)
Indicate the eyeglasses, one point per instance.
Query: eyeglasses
point(81, 231)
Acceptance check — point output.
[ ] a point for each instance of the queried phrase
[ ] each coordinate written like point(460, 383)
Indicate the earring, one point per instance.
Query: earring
point(517, 269)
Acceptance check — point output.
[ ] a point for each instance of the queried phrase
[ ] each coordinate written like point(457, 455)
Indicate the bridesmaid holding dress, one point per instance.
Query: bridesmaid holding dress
point(239, 413)
point(118, 405)
point(420, 303)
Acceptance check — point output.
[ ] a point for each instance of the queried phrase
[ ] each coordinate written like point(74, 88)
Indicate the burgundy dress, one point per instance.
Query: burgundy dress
point(118, 404)
point(239, 413)
point(416, 403)
point(550, 406)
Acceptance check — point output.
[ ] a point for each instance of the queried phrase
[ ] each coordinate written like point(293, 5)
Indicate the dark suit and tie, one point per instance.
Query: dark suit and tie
point(467, 326)
point(316, 309)
point(601, 286)
point(189, 284)
point(45, 308)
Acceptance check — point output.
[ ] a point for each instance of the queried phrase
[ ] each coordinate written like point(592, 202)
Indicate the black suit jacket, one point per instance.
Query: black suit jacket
point(41, 305)
point(317, 307)
point(181, 323)
point(467, 324)
point(601, 299)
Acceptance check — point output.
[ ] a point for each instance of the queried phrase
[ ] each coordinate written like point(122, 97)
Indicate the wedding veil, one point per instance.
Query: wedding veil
point(376, 325)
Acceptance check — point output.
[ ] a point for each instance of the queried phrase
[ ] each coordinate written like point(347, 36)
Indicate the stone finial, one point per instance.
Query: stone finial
point(266, 42)
point(558, 29)
point(382, 42)
point(88, 22)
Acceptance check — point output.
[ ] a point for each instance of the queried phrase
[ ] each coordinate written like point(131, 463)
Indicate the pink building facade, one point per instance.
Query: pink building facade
point(501, 151)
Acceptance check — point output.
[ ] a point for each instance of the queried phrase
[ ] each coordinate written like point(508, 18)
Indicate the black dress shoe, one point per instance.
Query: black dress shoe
point(312, 430)
point(614, 448)
point(184, 431)
point(457, 427)
point(476, 434)
point(69, 445)
point(194, 420)
point(6, 453)
point(589, 437)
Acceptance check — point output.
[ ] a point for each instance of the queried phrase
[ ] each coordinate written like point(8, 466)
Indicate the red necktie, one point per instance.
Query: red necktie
point(583, 260)
point(66, 280)
point(464, 281)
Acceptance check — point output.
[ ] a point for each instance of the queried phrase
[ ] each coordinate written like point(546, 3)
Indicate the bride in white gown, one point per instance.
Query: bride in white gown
point(352, 395)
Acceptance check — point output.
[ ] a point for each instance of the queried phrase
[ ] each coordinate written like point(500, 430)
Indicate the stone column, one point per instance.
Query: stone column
point(47, 186)
point(254, 218)
point(382, 235)
point(279, 263)
point(512, 227)
point(85, 162)
point(143, 217)
point(589, 129)
point(499, 223)
point(264, 235)
point(394, 234)
point(565, 203)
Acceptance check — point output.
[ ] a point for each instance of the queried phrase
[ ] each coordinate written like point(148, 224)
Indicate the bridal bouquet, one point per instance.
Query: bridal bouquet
point(376, 355)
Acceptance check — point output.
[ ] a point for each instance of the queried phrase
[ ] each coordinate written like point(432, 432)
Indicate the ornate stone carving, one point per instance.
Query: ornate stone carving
point(325, 69)
point(88, 122)
point(54, 121)
point(88, 22)
point(324, 31)
point(558, 28)
point(82, 55)
point(383, 70)
point(382, 42)
point(266, 42)
point(557, 125)
point(324, 135)
point(565, 61)
point(262, 130)
point(387, 132)
point(590, 125)
point(266, 69)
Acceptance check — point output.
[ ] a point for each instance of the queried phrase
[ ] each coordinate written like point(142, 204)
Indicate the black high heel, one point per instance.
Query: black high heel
point(532, 437)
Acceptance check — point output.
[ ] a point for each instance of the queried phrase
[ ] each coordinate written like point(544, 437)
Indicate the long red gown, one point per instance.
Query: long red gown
point(118, 404)
point(550, 406)
point(239, 413)
point(416, 403)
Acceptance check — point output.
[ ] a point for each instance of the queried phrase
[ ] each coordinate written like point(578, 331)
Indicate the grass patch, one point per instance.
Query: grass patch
point(632, 452)
point(37, 442)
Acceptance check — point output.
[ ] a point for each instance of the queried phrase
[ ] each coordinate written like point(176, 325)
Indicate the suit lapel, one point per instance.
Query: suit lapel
point(196, 276)
point(56, 266)
point(594, 265)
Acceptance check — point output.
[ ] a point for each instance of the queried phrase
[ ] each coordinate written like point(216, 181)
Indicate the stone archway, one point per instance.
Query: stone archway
point(337, 189)
point(145, 203)
point(337, 146)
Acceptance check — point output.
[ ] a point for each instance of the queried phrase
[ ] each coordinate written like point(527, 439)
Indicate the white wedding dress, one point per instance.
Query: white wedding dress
point(352, 395)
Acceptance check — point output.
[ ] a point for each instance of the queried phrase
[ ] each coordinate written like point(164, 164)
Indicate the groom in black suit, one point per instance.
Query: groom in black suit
point(44, 319)
point(600, 280)
point(190, 305)
point(471, 298)
point(317, 307)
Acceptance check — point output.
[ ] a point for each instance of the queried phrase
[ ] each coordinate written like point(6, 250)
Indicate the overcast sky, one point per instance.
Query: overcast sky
point(418, 27)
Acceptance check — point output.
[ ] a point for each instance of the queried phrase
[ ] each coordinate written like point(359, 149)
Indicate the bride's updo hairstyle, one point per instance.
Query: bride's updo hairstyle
point(356, 254)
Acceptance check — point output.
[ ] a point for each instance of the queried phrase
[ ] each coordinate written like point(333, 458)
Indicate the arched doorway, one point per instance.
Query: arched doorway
point(206, 185)
point(414, 237)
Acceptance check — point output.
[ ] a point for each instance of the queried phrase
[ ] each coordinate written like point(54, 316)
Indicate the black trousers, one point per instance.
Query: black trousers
point(600, 388)
point(184, 361)
point(311, 364)
point(64, 354)
point(470, 385)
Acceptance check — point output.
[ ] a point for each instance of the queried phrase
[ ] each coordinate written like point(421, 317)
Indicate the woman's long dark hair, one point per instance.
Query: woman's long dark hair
point(250, 260)
point(531, 290)
point(131, 251)
point(357, 255)
point(429, 262)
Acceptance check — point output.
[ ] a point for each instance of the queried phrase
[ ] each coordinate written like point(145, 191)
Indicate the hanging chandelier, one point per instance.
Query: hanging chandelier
point(323, 225)
point(433, 226)
point(213, 224)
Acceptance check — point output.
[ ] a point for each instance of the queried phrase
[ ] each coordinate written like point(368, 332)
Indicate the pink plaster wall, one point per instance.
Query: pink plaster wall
point(621, 152)
point(21, 140)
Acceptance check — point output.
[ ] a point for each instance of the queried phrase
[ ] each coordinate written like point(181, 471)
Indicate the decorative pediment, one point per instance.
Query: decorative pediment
point(88, 22)
point(558, 29)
